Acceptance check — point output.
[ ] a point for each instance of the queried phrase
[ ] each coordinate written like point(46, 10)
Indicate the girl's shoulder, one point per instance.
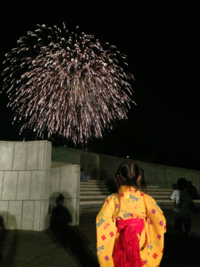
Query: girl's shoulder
point(148, 198)
point(113, 196)
point(145, 198)
point(141, 193)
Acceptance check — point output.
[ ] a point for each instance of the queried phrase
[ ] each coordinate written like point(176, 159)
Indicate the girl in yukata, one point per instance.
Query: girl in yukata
point(130, 225)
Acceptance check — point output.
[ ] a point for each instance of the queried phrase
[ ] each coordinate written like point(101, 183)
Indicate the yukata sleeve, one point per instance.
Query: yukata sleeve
point(155, 228)
point(106, 233)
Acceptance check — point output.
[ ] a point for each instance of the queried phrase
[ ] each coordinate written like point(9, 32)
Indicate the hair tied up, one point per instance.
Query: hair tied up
point(132, 168)
point(132, 172)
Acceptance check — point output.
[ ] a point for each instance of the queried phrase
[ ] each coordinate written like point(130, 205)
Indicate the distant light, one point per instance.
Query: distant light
point(127, 157)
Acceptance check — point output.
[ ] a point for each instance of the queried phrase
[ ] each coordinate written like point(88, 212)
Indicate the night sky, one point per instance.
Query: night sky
point(162, 42)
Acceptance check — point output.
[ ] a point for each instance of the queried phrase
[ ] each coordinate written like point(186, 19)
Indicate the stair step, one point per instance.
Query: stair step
point(93, 197)
point(94, 182)
point(106, 192)
point(159, 194)
point(94, 189)
point(93, 186)
point(89, 202)
point(162, 194)
point(159, 189)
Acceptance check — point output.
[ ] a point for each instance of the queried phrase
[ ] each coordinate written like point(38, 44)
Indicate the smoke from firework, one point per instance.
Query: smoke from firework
point(66, 84)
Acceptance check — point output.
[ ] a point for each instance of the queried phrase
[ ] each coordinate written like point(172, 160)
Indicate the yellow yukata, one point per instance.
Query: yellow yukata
point(130, 204)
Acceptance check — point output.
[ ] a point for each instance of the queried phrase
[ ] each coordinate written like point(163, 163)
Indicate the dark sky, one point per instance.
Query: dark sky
point(162, 42)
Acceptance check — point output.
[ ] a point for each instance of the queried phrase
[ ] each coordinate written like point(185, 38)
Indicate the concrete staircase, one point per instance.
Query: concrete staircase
point(93, 193)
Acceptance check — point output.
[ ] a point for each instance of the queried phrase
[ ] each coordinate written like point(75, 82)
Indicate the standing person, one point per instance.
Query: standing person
point(191, 189)
point(130, 225)
point(183, 204)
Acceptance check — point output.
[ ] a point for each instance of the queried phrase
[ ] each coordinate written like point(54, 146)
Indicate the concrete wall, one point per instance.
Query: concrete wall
point(59, 154)
point(99, 166)
point(88, 161)
point(30, 182)
point(65, 180)
point(25, 184)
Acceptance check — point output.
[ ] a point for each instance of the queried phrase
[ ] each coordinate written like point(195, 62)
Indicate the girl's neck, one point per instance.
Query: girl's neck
point(127, 188)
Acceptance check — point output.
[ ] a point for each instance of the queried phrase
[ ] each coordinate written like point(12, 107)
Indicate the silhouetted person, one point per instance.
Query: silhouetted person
point(60, 218)
point(70, 236)
point(191, 189)
point(183, 204)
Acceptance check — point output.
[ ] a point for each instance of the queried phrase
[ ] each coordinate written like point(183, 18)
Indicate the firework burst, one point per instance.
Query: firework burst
point(66, 84)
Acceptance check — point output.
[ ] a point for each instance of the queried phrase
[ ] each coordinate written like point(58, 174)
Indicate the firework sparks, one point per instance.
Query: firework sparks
point(66, 84)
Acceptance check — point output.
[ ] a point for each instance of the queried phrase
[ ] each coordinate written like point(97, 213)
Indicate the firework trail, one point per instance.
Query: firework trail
point(66, 84)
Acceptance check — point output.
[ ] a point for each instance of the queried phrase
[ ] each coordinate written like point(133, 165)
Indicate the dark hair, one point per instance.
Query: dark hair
point(182, 183)
point(189, 183)
point(60, 199)
point(128, 174)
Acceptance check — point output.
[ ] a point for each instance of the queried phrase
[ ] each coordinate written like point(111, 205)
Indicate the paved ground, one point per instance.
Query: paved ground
point(76, 246)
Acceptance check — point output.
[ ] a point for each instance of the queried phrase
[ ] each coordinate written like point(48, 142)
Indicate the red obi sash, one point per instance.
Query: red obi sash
point(127, 251)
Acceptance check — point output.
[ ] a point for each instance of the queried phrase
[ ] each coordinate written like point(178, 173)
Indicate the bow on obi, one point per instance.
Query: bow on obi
point(127, 251)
